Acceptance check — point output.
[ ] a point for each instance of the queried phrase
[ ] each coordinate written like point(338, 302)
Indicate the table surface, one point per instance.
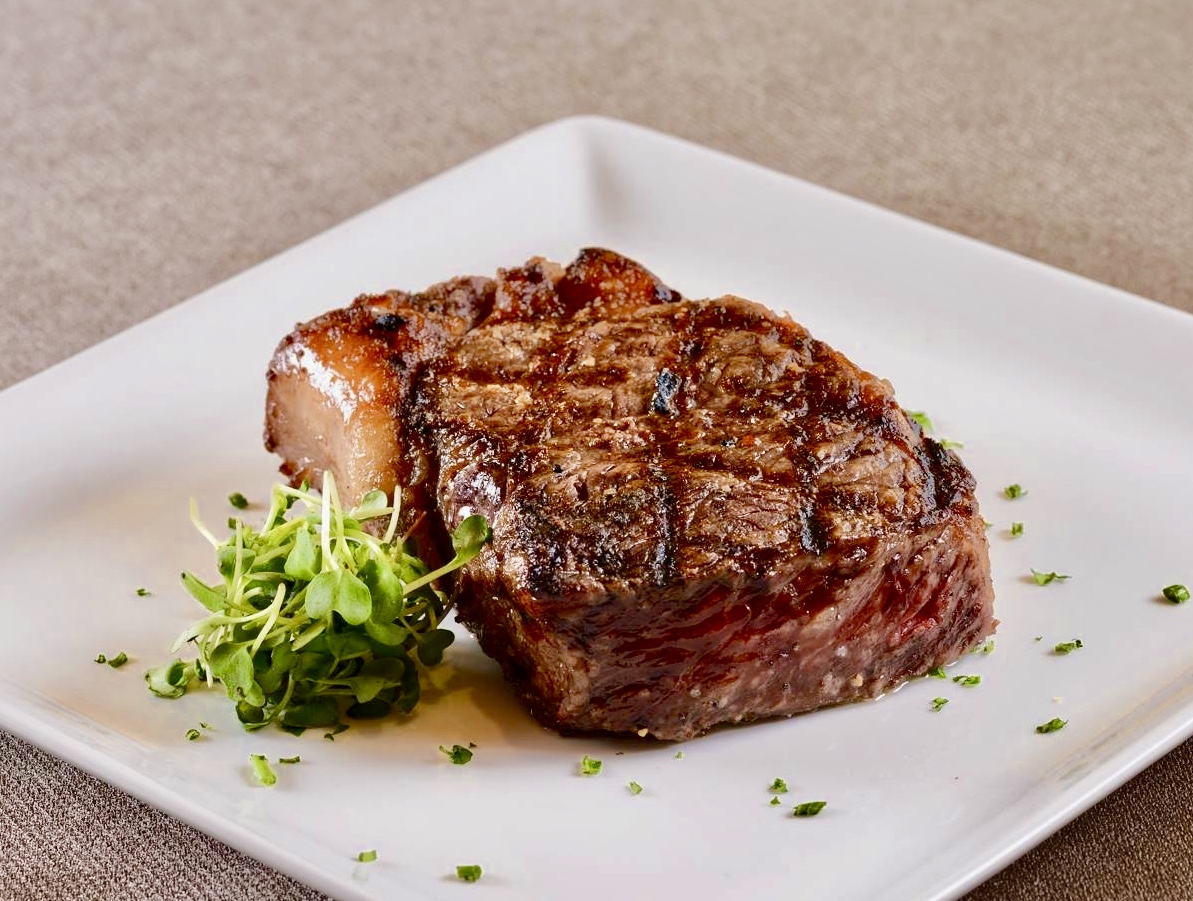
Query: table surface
point(148, 151)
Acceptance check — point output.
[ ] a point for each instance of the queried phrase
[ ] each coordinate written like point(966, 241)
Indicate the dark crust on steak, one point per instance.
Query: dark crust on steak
point(701, 514)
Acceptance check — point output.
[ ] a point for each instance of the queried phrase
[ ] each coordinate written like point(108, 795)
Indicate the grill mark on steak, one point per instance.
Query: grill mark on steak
point(701, 514)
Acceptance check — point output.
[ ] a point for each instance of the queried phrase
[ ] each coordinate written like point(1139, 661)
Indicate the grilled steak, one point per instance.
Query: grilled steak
point(700, 513)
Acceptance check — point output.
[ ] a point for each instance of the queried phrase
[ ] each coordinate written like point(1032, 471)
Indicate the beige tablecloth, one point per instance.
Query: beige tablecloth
point(150, 150)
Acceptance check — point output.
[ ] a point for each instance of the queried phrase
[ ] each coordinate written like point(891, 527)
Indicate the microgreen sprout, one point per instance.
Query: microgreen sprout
point(315, 616)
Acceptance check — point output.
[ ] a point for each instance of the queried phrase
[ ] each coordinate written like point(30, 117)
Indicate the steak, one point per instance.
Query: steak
point(701, 514)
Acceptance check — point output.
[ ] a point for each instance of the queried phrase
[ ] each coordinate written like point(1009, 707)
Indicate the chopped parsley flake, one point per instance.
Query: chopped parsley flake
point(634, 787)
point(774, 802)
point(589, 766)
point(937, 672)
point(920, 418)
point(238, 500)
point(143, 592)
point(938, 703)
point(778, 787)
point(457, 754)
point(115, 662)
point(294, 759)
point(1016, 529)
point(468, 872)
point(367, 856)
point(1053, 725)
point(808, 808)
point(679, 755)
point(1066, 647)
point(262, 770)
point(192, 734)
point(1047, 578)
point(1038, 638)
point(1013, 491)
point(1177, 594)
point(101, 658)
point(968, 681)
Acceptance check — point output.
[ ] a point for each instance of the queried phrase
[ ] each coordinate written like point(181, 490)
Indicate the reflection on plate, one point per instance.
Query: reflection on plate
point(1049, 380)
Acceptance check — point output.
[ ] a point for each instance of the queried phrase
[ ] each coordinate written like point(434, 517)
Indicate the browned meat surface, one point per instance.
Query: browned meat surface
point(700, 513)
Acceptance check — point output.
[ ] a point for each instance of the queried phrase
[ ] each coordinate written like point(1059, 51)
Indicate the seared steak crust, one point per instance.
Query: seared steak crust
point(701, 514)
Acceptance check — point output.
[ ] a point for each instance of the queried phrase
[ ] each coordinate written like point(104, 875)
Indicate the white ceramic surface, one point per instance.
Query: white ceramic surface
point(1075, 390)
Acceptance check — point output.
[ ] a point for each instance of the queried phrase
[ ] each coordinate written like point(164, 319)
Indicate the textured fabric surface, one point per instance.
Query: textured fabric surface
point(150, 150)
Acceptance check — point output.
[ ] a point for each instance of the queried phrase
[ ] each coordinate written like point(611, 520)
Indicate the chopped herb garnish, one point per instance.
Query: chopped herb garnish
point(1067, 647)
point(921, 419)
point(238, 500)
point(317, 615)
point(1016, 529)
point(294, 759)
point(808, 808)
point(938, 703)
point(988, 648)
point(101, 658)
point(468, 872)
point(634, 787)
point(589, 766)
point(203, 725)
point(950, 445)
point(1053, 725)
point(367, 856)
point(774, 802)
point(336, 730)
point(143, 592)
point(192, 734)
point(1038, 638)
point(457, 754)
point(262, 770)
point(937, 672)
point(968, 681)
point(679, 755)
point(1047, 578)
point(115, 662)
point(778, 787)
point(1177, 594)
point(1013, 491)
point(987, 525)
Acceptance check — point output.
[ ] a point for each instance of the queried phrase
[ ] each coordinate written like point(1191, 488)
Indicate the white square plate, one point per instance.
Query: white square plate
point(1072, 389)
